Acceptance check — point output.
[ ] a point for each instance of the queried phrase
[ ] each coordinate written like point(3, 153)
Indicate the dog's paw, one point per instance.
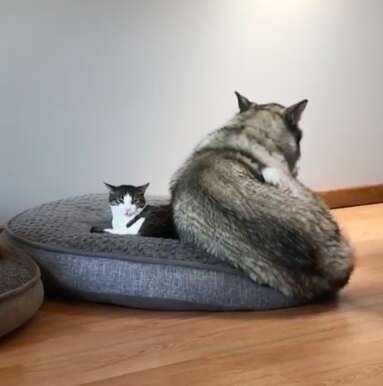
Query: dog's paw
point(272, 176)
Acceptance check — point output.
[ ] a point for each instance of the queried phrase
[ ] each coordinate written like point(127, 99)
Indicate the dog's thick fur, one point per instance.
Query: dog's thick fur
point(237, 198)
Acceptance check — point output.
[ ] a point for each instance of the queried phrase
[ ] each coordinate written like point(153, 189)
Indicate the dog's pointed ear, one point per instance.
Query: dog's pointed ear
point(294, 112)
point(243, 103)
point(110, 187)
point(143, 188)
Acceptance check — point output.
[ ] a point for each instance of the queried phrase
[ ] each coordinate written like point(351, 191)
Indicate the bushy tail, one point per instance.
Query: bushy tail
point(270, 244)
point(337, 263)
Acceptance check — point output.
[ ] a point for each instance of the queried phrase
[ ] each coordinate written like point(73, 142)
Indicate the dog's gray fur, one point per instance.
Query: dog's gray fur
point(237, 198)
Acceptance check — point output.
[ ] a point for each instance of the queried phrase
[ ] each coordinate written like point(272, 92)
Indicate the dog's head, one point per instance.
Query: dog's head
point(277, 125)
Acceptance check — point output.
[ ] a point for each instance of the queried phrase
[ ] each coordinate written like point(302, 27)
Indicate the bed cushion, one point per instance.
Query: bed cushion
point(21, 291)
point(132, 271)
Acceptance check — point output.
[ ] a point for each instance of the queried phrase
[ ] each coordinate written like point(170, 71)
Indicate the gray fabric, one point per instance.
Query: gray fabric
point(18, 309)
point(64, 225)
point(15, 271)
point(21, 290)
point(129, 270)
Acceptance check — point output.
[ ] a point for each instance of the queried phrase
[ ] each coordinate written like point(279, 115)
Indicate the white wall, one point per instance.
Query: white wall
point(121, 91)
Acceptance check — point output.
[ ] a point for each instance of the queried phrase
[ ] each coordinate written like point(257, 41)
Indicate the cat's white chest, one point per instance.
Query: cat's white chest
point(135, 228)
point(121, 219)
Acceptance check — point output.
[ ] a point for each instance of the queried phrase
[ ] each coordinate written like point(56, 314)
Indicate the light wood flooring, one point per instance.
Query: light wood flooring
point(337, 343)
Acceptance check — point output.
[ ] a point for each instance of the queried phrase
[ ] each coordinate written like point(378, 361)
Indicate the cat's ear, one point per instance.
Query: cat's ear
point(142, 188)
point(110, 187)
point(243, 103)
point(294, 112)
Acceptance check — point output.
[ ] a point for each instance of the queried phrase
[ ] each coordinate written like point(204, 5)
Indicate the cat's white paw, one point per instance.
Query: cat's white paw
point(117, 231)
point(135, 228)
point(272, 175)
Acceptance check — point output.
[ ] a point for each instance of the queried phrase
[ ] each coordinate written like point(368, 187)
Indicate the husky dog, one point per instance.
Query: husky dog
point(237, 198)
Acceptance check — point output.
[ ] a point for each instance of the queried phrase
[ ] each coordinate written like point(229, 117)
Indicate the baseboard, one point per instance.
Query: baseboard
point(363, 195)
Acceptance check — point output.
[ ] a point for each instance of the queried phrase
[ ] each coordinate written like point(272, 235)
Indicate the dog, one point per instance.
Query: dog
point(237, 197)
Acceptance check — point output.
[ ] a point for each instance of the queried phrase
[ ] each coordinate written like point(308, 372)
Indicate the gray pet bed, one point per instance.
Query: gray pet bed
point(21, 290)
point(130, 271)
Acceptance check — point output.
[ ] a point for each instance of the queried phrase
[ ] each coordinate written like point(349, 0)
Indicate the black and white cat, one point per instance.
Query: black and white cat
point(126, 203)
point(132, 216)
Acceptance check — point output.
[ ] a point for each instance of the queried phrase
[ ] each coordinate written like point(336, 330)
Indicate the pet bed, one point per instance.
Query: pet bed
point(21, 290)
point(133, 271)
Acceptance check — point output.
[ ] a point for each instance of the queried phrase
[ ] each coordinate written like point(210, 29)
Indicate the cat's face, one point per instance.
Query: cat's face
point(130, 199)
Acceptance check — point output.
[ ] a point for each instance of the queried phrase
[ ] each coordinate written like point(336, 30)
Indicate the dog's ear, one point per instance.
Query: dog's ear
point(143, 188)
point(243, 103)
point(110, 187)
point(294, 112)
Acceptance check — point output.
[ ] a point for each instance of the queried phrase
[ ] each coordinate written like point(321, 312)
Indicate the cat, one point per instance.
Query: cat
point(237, 198)
point(132, 216)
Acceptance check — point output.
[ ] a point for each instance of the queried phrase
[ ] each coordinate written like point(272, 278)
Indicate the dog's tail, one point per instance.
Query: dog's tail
point(275, 240)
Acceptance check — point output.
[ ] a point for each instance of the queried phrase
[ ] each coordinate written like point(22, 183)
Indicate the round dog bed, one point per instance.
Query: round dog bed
point(132, 271)
point(21, 290)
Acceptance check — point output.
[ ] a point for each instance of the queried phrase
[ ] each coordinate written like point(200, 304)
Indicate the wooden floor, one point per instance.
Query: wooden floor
point(338, 343)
